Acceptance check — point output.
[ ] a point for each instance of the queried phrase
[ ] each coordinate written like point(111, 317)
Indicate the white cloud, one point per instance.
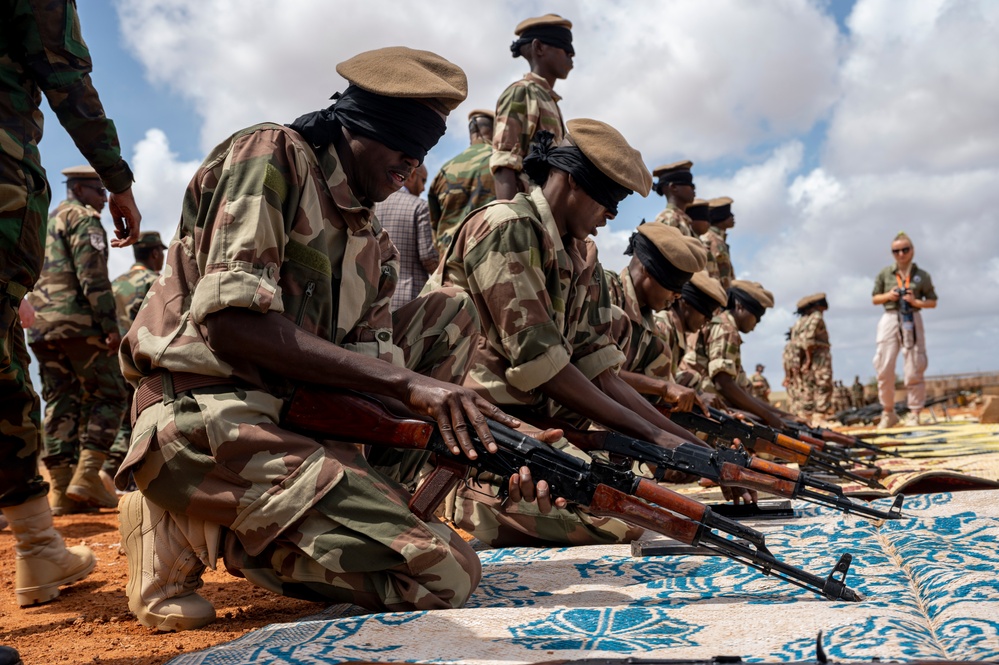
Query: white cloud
point(160, 180)
point(921, 88)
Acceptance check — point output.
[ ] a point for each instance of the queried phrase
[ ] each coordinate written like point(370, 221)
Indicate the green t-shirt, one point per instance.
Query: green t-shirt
point(920, 283)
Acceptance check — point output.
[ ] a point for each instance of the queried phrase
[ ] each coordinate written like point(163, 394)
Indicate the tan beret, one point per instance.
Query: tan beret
point(710, 286)
point(719, 202)
point(756, 291)
point(82, 172)
point(670, 168)
point(475, 113)
point(610, 152)
point(398, 71)
point(810, 300)
point(686, 254)
point(553, 20)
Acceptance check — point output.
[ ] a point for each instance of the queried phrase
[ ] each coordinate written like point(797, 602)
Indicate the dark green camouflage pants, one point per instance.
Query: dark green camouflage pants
point(84, 395)
point(20, 425)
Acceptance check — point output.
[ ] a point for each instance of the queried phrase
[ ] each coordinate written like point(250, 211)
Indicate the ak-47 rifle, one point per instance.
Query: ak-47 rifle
point(602, 489)
point(824, 434)
point(723, 428)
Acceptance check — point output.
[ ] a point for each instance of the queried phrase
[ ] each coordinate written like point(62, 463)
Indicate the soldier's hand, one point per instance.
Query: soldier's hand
point(454, 407)
point(26, 313)
point(739, 494)
point(113, 340)
point(679, 397)
point(126, 217)
point(522, 487)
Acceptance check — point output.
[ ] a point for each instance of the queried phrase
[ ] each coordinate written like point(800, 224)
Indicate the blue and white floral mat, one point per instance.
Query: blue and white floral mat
point(931, 583)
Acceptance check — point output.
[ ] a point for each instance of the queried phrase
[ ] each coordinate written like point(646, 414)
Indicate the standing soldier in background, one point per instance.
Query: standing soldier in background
point(816, 367)
point(721, 218)
point(758, 385)
point(464, 183)
point(530, 105)
point(41, 50)
point(698, 217)
point(857, 393)
point(792, 359)
point(676, 183)
point(129, 291)
point(75, 339)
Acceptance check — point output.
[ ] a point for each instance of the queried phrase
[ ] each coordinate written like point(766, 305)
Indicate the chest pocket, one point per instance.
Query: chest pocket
point(309, 292)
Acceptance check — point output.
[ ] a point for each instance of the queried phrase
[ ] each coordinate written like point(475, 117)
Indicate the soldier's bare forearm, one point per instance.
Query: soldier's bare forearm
point(505, 180)
point(613, 386)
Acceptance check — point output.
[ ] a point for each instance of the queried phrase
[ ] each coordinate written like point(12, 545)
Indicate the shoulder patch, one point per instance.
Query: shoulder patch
point(97, 241)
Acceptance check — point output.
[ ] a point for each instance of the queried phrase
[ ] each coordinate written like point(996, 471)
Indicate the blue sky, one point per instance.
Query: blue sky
point(832, 124)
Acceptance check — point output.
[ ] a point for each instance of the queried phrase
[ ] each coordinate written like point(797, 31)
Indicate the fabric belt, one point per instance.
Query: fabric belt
point(154, 388)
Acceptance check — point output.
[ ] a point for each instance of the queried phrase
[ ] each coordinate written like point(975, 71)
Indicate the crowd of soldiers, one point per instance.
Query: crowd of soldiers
point(280, 274)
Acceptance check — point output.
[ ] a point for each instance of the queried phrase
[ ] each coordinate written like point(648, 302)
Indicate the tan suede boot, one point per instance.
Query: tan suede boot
point(86, 484)
point(62, 504)
point(44, 563)
point(163, 571)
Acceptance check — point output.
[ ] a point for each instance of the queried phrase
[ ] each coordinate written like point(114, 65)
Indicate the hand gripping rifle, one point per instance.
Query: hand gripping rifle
point(603, 490)
point(721, 427)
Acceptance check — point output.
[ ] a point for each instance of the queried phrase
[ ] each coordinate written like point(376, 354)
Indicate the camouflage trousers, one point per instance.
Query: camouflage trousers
point(480, 507)
point(84, 395)
point(816, 385)
point(308, 518)
point(20, 421)
point(119, 447)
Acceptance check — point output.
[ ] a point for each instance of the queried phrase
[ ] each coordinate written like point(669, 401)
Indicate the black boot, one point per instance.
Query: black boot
point(9, 656)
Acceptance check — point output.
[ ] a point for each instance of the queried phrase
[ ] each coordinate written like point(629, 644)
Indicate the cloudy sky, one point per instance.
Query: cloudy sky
point(833, 125)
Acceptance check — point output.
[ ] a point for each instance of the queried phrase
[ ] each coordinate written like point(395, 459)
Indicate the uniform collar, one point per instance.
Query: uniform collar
point(540, 203)
point(540, 80)
point(336, 179)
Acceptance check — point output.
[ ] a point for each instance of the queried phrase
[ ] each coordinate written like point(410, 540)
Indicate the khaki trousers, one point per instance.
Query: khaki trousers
point(914, 362)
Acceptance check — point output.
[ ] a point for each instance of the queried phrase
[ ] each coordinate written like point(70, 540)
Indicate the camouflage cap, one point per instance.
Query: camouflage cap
point(82, 172)
point(675, 167)
point(150, 239)
point(710, 286)
point(813, 299)
point(756, 291)
point(610, 153)
point(475, 113)
point(685, 253)
point(546, 21)
point(398, 71)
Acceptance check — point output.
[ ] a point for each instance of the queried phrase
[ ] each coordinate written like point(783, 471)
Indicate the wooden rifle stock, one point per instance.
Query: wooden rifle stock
point(346, 416)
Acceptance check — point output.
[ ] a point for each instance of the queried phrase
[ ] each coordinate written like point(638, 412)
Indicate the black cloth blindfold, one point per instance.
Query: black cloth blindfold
point(399, 123)
point(659, 268)
point(699, 300)
point(543, 157)
point(719, 214)
point(553, 35)
point(698, 213)
point(748, 302)
point(677, 178)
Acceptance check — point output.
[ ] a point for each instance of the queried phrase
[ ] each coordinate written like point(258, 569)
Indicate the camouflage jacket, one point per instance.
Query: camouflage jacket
point(669, 326)
point(42, 50)
point(73, 295)
point(794, 354)
point(718, 251)
point(268, 225)
point(525, 108)
point(542, 301)
point(759, 386)
point(813, 337)
point(724, 349)
point(646, 350)
point(463, 184)
point(307, 250)
point(129, 291)
point(678, 219)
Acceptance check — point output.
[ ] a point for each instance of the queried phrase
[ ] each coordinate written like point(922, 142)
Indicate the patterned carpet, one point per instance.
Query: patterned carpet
point(929, 582)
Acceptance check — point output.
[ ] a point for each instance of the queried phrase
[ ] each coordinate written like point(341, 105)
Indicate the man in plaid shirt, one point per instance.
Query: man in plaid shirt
point(406, 218)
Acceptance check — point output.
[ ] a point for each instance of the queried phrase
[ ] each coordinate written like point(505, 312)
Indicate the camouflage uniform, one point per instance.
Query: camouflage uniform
point(719, 261)
point(523, 109)
point(723, 344)
point(669, 326)
point(678, 219)
point(816, 380)
point(543, 305)
point(129, 292)
point(793, 358)
point(463, 184)
point(857, 395)
point(644, 347)
point(759, 387)
point(81, 384)
point(301, 517)
point(41, 49)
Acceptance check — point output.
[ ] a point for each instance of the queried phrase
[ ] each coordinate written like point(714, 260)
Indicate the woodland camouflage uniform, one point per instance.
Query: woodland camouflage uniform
point(305, 518)
point(543, 305)
point(41, 50)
